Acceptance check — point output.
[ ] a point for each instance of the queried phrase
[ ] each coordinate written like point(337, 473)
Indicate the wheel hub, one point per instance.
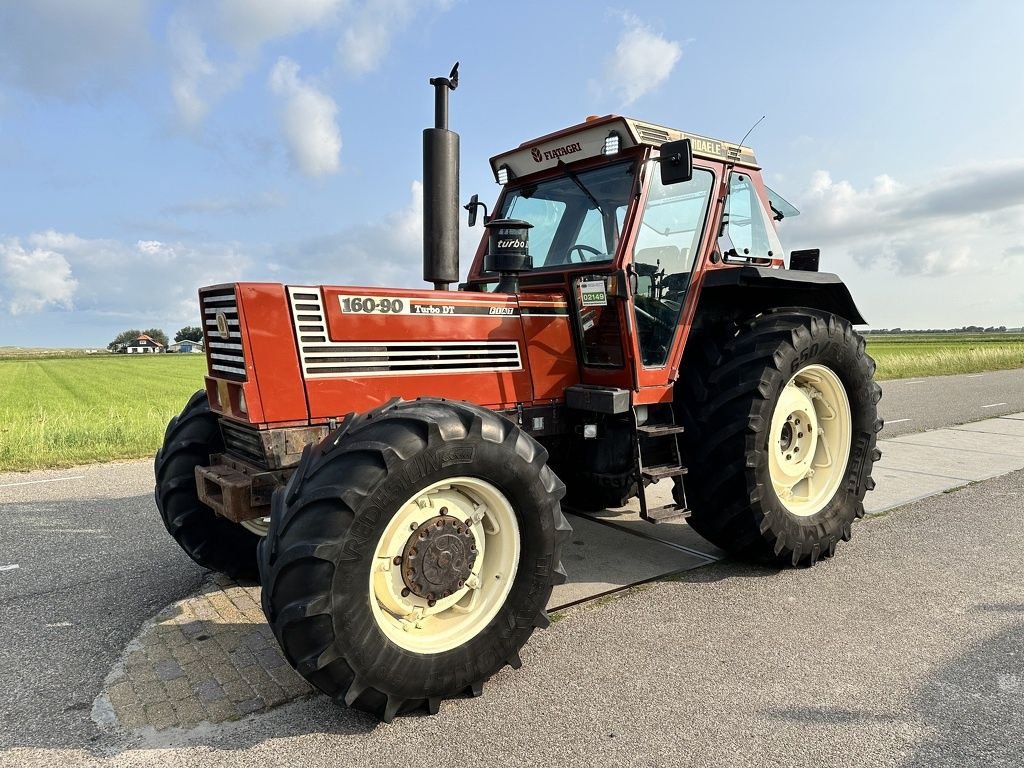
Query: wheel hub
point(794, 425)
point(438, 558)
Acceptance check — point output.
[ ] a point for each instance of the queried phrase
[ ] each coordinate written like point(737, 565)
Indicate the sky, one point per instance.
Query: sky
point(150, 147)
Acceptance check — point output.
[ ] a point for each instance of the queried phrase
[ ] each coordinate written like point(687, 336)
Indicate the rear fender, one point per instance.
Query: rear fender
point(747, 291)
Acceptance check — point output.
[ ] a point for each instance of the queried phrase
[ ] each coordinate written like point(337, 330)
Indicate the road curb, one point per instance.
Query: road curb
point(208, 658)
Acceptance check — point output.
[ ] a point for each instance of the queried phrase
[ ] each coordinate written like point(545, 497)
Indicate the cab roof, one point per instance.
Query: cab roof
point(587, 139)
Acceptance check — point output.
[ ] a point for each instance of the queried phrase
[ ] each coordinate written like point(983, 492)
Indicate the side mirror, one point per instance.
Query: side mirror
point(471, 206)
point(676, 162)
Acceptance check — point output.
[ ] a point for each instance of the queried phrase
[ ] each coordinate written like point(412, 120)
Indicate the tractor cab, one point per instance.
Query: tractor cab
point(626, 235)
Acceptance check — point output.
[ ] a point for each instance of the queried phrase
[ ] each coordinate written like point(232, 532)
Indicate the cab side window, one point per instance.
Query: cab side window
point(747, 232)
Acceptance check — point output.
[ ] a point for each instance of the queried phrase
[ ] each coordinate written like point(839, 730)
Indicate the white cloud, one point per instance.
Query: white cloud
point(368, 32)
point(958, 221)
point(71, 49)
point(250, 23)
point(112, 285)
point(146, 283)
point(309, 120)
point(364, 31)
point(642, 60)
point(196, 81)
point(33, 279)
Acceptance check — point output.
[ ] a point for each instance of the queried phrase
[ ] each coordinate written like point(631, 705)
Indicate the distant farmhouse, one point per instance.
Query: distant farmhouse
point(186, 345)
point(141, 345)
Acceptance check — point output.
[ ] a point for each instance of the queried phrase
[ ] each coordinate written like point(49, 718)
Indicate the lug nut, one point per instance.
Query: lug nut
point(431, 603)
point(397, 560)
point(444, 510)
point(414, 526)
point(405, 592)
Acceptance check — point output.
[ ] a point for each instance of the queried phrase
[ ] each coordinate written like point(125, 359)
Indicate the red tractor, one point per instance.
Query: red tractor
point(391, 463)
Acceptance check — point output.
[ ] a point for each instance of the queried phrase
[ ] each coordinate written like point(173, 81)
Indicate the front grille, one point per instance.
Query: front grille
point(367, 358)
point(322, 357)
point(220, 314)
point(243, 442)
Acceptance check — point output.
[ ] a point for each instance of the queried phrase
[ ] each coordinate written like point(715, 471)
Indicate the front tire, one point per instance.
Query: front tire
point(211, 540)
point(412, 554)
point(782, 423)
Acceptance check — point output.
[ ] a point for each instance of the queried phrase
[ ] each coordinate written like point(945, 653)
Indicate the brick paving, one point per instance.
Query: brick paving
point(208, 658)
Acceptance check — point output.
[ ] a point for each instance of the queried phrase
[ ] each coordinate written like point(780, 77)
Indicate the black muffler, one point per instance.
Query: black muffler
point(441, 190)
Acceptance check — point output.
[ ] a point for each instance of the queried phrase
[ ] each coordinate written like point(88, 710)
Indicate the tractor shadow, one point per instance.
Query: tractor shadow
point(971, 709)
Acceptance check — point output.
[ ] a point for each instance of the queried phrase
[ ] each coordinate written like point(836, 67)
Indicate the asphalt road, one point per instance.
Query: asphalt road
point(810, 663)
point(904, 650)
point(93, 563)
point(914, 405)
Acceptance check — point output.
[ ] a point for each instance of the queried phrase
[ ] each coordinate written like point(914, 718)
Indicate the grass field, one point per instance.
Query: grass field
point(61, 412)
point(901, 356)
point(57, 412)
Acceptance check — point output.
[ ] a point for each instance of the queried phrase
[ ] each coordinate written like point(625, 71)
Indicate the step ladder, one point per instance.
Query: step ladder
point(665, 434)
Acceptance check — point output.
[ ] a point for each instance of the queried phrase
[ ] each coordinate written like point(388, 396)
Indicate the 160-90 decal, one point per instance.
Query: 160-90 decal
point(373, 305)
point(392, 305)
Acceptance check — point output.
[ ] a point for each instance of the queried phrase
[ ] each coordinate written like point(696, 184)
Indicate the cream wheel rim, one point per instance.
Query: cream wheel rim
point(258, 525)
point(809, 442)
point(488, 523)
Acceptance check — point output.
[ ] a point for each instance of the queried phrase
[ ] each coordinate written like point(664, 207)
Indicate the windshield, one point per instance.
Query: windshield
point(576, 218)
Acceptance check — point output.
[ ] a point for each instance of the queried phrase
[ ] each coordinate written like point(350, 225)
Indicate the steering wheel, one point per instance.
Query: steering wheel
point(583, 248)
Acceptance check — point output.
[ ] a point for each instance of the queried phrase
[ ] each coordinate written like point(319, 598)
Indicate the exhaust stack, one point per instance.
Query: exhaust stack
point(441, 190)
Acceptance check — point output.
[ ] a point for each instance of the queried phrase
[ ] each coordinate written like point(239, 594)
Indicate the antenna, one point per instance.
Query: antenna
point(745, 135)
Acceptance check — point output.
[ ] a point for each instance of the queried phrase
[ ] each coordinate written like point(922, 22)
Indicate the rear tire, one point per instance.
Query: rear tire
point(746, 402)
point(333, 565)
point(212, 541)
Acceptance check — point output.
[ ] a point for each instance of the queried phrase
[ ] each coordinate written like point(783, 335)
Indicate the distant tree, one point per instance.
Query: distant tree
point(122, 338)
point(189, 332)
point(157, 335)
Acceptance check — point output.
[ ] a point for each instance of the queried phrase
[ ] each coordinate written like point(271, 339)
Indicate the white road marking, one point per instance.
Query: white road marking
point(73, 530)
point(993, 405)
point(9, 567)
point(919, 381)
point(51, 480)
point(974, 376)
point(894, 421)
point(59, 624)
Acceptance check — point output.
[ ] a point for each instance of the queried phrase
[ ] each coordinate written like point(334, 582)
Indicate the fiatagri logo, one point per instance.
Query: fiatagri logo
point(552, 154)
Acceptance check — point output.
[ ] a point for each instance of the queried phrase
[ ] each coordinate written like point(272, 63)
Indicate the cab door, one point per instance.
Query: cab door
point(667, 248)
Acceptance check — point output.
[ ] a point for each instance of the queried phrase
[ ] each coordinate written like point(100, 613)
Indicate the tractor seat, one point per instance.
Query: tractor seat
point(669, 258)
